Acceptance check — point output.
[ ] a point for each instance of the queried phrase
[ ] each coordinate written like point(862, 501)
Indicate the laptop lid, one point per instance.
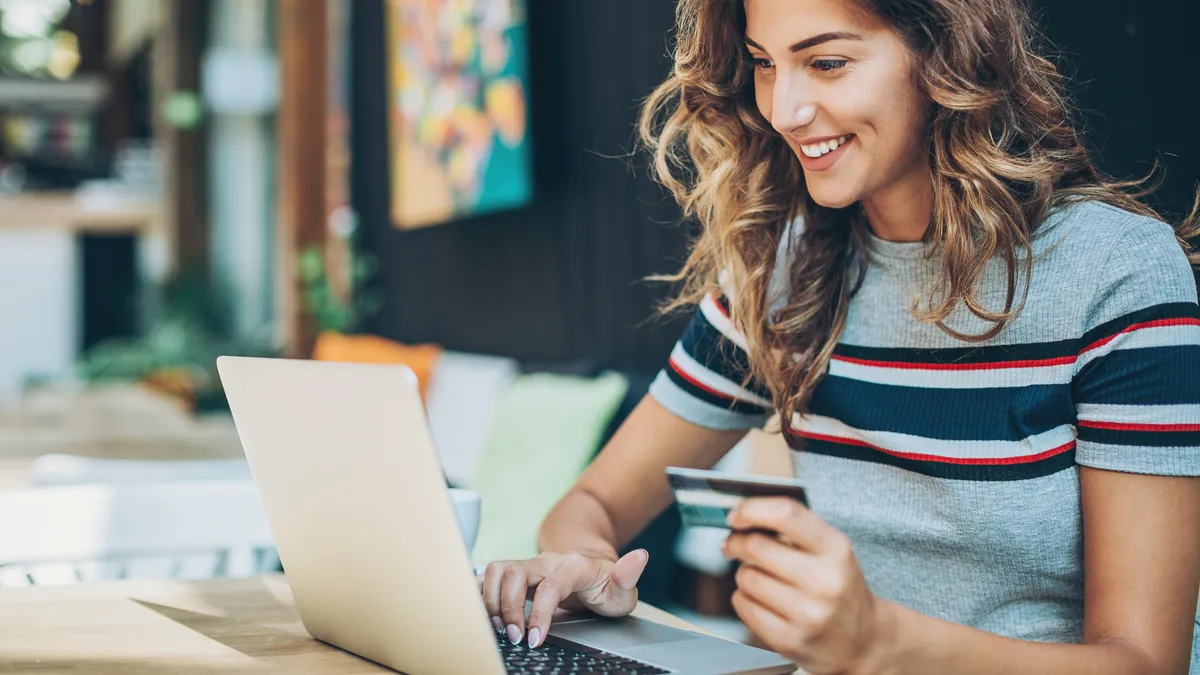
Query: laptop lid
point(358, 505)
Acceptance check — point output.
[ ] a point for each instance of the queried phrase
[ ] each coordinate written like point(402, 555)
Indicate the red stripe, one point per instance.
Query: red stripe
point(1000, 461)
point(1157, 323)
point(697, 383)
point(995, 365)
point(720, 307)
point(1026, 363)
point(1121, 426)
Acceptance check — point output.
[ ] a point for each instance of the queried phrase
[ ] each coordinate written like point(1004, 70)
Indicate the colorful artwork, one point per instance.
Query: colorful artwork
point(457, 108)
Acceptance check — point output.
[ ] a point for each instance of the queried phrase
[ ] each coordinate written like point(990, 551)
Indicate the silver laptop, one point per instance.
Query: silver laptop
point(366, 531)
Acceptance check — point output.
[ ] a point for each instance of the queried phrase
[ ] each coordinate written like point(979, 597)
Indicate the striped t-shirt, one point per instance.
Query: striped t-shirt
point(952, 466)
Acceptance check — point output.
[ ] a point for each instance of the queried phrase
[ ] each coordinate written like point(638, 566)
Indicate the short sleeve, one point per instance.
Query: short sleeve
point(705, 379)
point(1137, 378)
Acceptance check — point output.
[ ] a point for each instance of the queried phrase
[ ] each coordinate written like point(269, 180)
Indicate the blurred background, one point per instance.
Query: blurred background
point(447, 184)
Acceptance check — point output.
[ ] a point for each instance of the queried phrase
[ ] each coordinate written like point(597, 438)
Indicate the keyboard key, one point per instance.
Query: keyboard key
point(557, 659)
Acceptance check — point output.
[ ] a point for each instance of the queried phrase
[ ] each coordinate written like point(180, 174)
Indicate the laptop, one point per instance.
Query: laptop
point(365, 528)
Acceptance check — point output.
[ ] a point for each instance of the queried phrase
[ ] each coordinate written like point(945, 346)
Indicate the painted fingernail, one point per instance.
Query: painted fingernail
point(535, 637)
point(498, 624)
point(514, 634)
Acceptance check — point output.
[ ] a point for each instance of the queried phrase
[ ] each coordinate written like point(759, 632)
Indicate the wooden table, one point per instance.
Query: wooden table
point(202, 627)
point(110, 422)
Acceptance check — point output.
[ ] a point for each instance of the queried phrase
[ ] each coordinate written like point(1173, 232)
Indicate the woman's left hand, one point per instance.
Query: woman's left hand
point(802, 593)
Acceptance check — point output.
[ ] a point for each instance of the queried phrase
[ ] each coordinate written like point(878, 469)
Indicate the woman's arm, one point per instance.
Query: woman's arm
point(626, 486)
point(1142, 576)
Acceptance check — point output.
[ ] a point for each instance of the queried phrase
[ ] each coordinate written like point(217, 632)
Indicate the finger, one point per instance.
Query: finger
point(772, 629)
point(551, 593)
point(787, 517)
point(788, 563)
point(769, 591)
point(514, 586)
point(491, 591)
point(619, 595)
point(629, 568)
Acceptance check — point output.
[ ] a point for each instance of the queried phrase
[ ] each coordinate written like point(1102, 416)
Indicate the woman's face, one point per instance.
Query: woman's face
point(839, 86)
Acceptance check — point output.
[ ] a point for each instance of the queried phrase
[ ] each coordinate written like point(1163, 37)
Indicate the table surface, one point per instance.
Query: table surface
point(156, 626)
point(113, 422)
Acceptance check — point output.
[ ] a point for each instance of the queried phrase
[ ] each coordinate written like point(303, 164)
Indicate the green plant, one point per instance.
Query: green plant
point(329, 309)
point(186, 332)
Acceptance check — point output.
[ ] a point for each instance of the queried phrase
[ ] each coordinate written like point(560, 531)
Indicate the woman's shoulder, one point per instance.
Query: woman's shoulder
point(1125, 260)
point(1096, 226)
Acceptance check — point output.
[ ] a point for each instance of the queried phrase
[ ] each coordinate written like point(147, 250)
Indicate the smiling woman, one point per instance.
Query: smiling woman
point(983, 353)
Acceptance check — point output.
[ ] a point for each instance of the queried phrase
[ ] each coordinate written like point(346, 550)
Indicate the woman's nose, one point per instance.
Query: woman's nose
point(790, 116)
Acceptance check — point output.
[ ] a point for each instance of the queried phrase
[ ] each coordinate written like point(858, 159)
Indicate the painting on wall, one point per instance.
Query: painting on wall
point(457, 109)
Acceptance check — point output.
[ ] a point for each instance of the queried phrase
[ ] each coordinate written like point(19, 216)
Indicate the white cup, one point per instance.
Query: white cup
point(466, 509)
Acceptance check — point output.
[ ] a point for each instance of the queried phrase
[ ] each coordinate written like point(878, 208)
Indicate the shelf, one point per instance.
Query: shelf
point(81, 93)
point(64, 210)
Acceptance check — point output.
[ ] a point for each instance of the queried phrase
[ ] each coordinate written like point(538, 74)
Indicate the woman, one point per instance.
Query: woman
point(985, 355)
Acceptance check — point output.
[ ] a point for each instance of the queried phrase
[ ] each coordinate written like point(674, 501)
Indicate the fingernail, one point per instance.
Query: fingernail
point(535, 637)
point(514, 634)
point(498, 624)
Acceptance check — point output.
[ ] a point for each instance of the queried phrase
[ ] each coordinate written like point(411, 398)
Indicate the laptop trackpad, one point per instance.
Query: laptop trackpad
point(615, 634)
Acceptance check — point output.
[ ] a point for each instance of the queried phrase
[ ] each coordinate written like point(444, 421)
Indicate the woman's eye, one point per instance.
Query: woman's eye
point(762, 64)
point(827, 65)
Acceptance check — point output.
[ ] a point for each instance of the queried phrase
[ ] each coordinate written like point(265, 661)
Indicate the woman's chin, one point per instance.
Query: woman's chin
point(831, 197)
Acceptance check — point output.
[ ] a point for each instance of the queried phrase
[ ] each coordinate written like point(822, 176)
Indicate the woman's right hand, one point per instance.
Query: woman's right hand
point(595, 582)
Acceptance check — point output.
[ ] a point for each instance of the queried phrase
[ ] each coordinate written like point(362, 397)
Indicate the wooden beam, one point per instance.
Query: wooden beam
point(302, 115)
point(185, 150)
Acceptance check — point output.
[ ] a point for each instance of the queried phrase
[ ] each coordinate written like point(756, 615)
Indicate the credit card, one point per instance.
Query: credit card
point(705, 498)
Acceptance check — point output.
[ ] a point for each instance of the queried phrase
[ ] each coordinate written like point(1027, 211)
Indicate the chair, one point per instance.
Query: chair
point(175, 529)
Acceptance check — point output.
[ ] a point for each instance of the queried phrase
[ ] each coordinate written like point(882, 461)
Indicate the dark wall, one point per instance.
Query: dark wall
point(1133, 68)
point(561, 280)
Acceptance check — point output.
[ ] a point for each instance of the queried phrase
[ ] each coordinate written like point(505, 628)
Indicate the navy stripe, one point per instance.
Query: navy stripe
point(1154, 439)
point(1173, 310)
point(975, 472)
point(719, 401)
point(995, 414)
point(1034, 351)
point(723, 303)
point(711, 349)
point(1148, 376)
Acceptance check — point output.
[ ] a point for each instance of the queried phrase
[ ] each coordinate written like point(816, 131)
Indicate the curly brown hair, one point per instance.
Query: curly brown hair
point(1003, 153)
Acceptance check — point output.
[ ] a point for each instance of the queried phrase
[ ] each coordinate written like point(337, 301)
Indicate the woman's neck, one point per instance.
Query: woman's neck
point(903, 210)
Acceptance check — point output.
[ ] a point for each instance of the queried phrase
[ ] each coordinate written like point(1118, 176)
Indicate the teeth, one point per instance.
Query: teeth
point(824, 147)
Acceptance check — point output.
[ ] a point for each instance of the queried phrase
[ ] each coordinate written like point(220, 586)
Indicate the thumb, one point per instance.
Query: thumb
point(626, 571)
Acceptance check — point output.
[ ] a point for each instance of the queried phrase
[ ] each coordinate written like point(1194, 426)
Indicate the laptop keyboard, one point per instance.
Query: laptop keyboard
point(554, 658)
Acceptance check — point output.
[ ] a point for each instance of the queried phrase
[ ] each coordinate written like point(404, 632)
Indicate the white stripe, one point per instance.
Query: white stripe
point(952, 379)
point(909, 444)
point(705, 498)
point(716, 317)
point(1142, 338)
point(1138, 414)
point(712, 380)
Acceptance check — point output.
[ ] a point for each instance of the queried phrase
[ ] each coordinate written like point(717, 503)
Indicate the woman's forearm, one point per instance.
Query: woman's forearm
point(579, 523)
point(917, 644)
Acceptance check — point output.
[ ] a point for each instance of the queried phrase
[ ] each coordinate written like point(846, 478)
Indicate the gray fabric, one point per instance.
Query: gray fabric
point(1002, 556)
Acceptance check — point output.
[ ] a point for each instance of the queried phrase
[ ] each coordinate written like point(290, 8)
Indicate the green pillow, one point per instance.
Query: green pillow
point(544, 433)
